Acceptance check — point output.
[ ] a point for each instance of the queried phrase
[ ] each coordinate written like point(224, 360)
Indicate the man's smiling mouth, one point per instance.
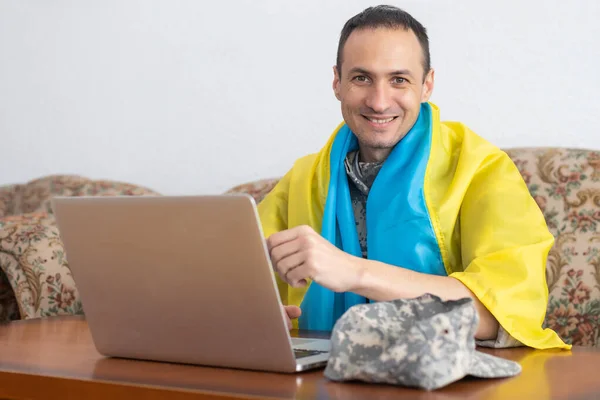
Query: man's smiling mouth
point(379, 121)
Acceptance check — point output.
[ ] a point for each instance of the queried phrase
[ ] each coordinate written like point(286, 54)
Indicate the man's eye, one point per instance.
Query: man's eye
point(361, 78)
point(398, 80)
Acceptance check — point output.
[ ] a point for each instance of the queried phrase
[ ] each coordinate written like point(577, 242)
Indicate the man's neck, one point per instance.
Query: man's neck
point(371, 155)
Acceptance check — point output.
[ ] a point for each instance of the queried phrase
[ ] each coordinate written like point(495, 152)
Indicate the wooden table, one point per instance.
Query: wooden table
point(55, 358)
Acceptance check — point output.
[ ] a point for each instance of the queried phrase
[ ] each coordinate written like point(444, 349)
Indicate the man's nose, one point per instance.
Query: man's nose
point(378, 98)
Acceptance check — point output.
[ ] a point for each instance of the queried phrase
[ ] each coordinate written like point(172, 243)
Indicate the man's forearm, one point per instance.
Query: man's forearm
point(382, 282)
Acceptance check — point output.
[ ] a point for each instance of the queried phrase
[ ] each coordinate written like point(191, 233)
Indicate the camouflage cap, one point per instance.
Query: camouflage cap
point(423, 342)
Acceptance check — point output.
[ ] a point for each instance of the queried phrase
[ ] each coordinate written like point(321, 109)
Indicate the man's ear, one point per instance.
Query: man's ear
point(428, 86)
point(336, 82)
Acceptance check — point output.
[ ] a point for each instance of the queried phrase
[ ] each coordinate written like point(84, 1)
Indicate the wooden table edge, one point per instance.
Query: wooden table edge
point(21, 385)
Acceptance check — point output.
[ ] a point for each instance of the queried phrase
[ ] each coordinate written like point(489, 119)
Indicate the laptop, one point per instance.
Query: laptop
point(183, 279)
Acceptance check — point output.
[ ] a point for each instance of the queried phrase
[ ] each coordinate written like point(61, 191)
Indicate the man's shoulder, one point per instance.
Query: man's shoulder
point(464, 142)
point(306, 160)
point(303, 166)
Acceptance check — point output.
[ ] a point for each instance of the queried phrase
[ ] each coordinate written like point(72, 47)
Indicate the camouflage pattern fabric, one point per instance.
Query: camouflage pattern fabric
point(361, 176)
point(423, 342)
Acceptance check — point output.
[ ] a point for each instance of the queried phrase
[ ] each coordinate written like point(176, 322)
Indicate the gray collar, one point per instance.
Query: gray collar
point(363, 174)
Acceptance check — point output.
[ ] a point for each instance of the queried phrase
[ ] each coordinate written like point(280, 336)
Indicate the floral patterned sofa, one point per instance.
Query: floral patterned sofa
point(35, 280)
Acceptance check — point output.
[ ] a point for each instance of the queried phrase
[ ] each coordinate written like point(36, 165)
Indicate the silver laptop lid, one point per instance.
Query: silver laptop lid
point(182, 279)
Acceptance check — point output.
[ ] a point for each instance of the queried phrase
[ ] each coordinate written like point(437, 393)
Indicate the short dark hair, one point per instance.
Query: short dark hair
point(384, 16)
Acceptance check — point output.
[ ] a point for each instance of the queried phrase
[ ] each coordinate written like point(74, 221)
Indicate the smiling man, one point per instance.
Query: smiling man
point(398, 204)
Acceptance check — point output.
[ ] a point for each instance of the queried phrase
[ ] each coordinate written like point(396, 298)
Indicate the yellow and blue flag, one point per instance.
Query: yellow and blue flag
point(445, 202)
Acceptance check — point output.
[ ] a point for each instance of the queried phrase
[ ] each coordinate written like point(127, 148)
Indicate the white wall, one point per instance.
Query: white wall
point(192, 96)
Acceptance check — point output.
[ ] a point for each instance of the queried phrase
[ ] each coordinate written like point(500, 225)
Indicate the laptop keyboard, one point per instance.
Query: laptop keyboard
point(301, 353)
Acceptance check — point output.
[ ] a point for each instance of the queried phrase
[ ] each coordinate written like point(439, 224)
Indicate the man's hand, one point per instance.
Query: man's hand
point(300, 253)
point(292, 312)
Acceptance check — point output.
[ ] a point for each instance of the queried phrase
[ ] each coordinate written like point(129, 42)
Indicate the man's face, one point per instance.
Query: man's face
point(381, 87)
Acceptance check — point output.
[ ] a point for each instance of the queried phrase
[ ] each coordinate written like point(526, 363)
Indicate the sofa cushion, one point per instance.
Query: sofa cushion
point(33, 259)
point(8, 195)
point(9, 309)
point(36, 195)
point(257, 189)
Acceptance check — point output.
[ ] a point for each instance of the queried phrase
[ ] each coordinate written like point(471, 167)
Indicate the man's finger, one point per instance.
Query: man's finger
point(287, 235)
point(298, 277)
point(286, 315)
point(284, 250)
point(293, 311)
point(288, 264)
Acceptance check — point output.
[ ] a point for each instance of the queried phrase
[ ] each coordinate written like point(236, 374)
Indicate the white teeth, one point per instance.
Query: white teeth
point(380, 121)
